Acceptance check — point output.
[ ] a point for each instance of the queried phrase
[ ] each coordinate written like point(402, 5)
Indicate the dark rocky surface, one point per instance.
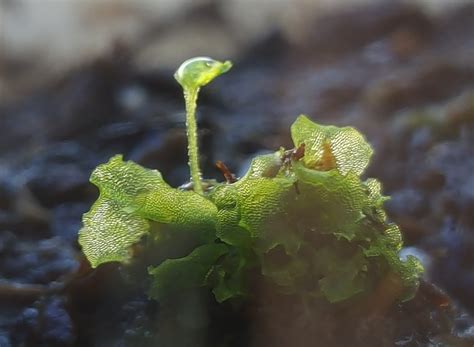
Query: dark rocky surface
point(404, 79)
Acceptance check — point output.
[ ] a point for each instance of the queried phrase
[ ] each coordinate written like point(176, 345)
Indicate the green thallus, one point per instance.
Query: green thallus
point(306, 222)
point(192, 75)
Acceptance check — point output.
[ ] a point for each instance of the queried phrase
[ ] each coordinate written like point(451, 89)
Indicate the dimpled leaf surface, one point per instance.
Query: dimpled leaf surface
point(266, 165)
point(349, 151)
point(261, 200)
point(331, 203)
point(310, 222)
point(130, 195)
point(108, 232)
point(387, 247)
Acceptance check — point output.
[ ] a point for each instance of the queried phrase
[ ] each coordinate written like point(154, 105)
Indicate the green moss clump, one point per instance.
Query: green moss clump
point(302, 219)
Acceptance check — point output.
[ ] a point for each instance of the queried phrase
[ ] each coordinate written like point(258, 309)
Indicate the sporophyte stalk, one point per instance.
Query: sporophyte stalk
point(192, 75)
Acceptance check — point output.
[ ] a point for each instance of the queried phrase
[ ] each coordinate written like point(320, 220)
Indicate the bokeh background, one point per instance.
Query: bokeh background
point(82, 80)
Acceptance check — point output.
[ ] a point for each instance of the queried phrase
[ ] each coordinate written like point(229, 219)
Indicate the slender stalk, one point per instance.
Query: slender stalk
point(193, 74)
point(190, 97)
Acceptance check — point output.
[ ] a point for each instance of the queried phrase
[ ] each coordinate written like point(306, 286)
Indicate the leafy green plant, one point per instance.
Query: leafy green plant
point(302, 219)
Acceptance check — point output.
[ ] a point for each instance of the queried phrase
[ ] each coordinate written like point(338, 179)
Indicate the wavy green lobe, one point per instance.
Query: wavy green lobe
point(130, 196)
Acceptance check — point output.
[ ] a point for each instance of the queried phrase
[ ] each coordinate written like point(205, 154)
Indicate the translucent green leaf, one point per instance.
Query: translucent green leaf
point(375, 191)
point(343, 274)
point(264, 205)
point(329, 202)
point(145, 192)
point(330, 147)
point(266, 165)
point(172, 206)
point(228, 217)
point(341, 286)
point(393, 237)
point(129, 196)
point(230, 276)
point(124, 181)
point(377, 200)
point(229, 230)
point(284, 269)
point(260, 199)
point(108, 232)
point(387, 247)
point(410, 271)
point(175, 275)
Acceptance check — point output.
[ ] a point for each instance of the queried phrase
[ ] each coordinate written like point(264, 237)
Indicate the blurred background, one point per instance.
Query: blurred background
point(82, 80)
